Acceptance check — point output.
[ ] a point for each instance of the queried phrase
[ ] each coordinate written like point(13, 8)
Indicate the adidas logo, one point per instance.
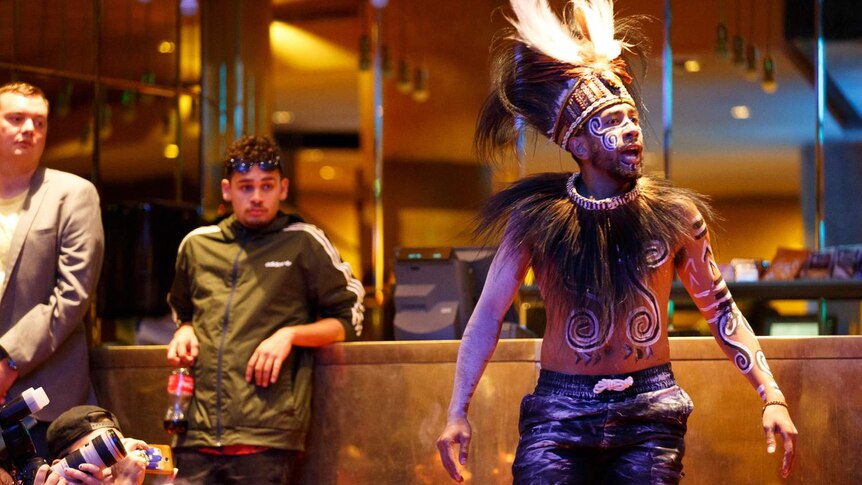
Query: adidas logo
point(277, 264)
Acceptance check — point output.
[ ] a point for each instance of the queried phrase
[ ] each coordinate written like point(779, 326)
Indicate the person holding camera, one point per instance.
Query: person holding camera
point(51, 249)
point(97, 428)
point(251, 295)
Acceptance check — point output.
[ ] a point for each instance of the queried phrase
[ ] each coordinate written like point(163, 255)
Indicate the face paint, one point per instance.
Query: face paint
point(611, 136)
point(615, 138)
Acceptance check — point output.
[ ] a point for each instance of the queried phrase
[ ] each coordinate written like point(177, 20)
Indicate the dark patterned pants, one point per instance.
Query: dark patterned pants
point(570, 435)
point(271, 467)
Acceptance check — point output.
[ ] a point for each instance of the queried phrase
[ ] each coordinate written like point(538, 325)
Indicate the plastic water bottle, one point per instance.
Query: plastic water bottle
point(181, 388)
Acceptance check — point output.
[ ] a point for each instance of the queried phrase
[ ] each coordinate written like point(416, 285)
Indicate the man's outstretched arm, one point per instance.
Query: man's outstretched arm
point(477, 345)
point(703, 281)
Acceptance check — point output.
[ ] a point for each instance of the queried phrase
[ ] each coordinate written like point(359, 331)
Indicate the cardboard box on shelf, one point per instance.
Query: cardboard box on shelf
point(745, 269)
point(727, 272)
point(847, 262)
point(819, 265)
point(786, 264)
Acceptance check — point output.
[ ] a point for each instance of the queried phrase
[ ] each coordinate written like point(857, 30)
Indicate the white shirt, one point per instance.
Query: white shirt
point(10, 211)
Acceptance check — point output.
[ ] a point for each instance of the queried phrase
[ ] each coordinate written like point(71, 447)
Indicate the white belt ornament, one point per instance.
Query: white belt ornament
point(613, 385)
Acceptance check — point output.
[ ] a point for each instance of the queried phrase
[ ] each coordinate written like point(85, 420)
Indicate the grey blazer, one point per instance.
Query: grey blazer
point(52, 268)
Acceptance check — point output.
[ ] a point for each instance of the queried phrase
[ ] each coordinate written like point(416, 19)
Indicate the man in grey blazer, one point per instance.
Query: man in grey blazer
point(51, 249)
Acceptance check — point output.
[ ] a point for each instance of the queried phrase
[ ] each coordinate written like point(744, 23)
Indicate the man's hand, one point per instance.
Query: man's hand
point(6, 478)
point(183, 349)
point(132, 444)
point(7, 378)
point(777, 419)
point(265, 363)
point(457, 432)
point(86, 473)
point(44, 476)
point(131, 469)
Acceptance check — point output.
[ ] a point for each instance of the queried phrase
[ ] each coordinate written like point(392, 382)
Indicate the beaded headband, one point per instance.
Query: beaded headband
point(591, 93)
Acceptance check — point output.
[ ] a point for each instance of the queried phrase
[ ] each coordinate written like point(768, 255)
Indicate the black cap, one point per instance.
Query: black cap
point(75, 423)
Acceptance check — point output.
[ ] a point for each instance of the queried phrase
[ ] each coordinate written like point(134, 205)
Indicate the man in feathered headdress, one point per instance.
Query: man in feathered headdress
point(604, 244)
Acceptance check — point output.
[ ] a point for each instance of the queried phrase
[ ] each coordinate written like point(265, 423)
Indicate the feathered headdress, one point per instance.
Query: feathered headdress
point(586, 41)
point(559, 73)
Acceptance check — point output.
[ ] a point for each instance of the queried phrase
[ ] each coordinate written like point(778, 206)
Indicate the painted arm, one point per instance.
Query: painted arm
point(477, 345)
point(702, 279)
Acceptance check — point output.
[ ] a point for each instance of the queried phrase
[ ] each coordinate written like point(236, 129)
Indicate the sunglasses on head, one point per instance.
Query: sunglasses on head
point(243, 166)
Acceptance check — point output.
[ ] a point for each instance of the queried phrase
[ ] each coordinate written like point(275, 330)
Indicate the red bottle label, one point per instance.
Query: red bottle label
point(185, 384)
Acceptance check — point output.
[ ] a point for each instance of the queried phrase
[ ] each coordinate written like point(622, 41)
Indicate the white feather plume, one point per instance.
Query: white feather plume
point(586, 40)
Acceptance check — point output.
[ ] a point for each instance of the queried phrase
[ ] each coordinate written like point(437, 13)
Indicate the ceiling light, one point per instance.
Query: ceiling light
point(691, 65)
point(405, 80)
point(364, 52)
point(282, 117)
point(738, 50)
point(172, 150)
point(313, 155)
point(768, 85)
point(327, 172)
point(721, 40)
point(166, 47)
point(420, 84)
point(751, 62)
point(740, 112)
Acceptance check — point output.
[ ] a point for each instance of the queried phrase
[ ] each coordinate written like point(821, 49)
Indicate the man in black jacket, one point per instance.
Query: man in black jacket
point(251, 296)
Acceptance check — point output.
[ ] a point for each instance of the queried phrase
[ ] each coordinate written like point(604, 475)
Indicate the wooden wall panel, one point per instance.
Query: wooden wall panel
point(379, 407)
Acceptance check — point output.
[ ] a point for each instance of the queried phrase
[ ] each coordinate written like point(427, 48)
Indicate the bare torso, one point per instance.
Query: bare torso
point(637, 338)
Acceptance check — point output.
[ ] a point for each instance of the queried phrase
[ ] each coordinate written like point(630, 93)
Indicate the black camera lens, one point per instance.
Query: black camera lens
point(17, 443)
